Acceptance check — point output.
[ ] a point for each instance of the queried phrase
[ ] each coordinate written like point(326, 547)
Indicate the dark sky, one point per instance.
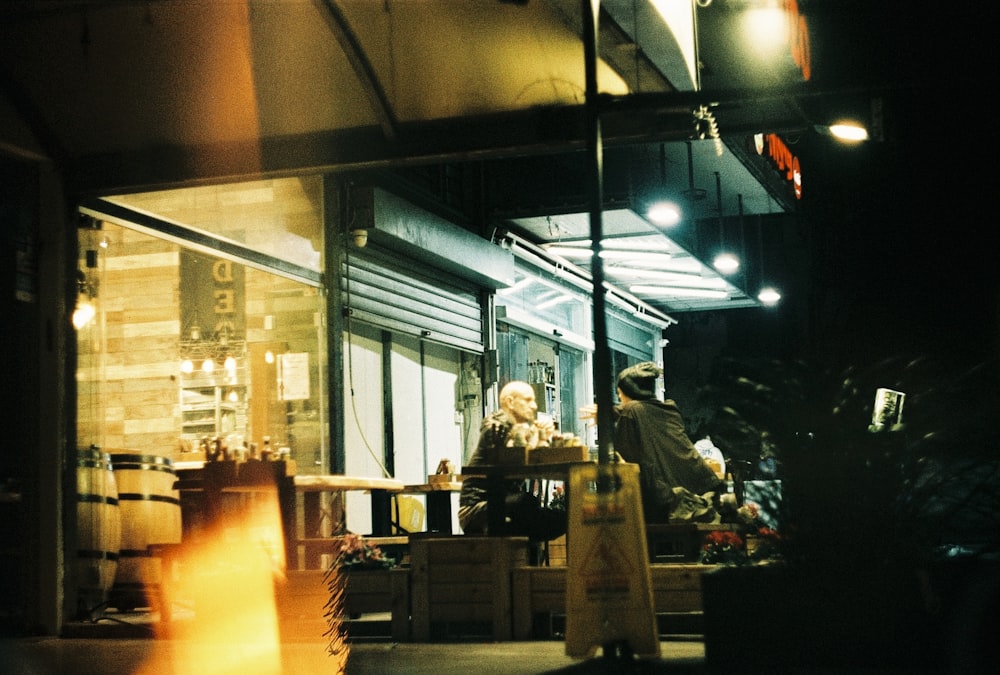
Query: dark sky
point(901, 229)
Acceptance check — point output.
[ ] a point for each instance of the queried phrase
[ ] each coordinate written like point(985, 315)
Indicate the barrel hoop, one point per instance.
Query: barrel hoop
point(103, 464)
point(140, 497)
point(141, 465)
point(89, 498)
point(90, 554)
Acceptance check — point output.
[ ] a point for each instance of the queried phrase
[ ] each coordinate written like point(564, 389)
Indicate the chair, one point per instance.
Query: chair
point(407, 514)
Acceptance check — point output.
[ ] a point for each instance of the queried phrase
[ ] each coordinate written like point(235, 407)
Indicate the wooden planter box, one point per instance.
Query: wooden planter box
point(540, 592)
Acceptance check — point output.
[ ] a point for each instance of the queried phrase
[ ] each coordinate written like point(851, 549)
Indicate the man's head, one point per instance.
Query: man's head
point(638, 382)
point(517, 399)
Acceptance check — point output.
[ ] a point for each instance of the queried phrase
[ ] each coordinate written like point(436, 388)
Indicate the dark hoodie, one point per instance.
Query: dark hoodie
point(651, 433)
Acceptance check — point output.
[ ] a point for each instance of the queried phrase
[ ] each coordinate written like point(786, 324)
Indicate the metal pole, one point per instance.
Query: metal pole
point(595, 192)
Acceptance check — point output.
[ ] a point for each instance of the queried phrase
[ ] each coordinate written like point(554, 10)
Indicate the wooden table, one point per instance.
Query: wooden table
point(438, 502)
point(312, 486)
point(206, 482)
point(497, 475)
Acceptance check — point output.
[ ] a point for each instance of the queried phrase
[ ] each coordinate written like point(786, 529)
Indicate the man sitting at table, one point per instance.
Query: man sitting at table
point(514, 423)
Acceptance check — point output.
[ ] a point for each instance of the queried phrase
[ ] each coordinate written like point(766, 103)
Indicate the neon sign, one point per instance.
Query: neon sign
point(778, 154)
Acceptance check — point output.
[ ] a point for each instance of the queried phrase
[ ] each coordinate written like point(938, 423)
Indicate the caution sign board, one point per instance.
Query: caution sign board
point(609, 592)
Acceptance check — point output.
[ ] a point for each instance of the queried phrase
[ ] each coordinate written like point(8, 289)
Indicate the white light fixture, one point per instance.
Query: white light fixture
point(846, 131)
point(268, 356)
point(726, 263)
point(769, 296)
point(664, 214)
point(675, 292)
point(207, 366)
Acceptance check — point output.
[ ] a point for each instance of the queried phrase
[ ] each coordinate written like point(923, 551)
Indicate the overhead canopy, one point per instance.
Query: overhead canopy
point(135, 96)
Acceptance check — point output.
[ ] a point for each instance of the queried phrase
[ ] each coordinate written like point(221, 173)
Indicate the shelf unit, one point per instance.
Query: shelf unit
point(206, 405)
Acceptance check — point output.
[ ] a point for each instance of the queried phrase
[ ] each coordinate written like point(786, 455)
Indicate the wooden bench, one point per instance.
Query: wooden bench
point(540, 592)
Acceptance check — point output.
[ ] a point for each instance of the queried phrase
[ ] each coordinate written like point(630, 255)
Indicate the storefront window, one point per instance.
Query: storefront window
point(186, 345)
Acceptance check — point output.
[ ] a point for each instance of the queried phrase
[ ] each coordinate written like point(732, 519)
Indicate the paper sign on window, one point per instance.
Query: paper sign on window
point(293, 377)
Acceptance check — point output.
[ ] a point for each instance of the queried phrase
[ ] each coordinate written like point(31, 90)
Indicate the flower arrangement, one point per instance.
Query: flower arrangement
point(766, 545)
point(748, 514)
point(724, 547)
point(353, 552)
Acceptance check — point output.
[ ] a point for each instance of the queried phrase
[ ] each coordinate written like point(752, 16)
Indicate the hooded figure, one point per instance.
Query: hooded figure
point(677, 483)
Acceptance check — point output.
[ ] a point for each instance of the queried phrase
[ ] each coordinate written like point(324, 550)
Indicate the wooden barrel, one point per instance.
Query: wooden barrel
point(150, 514)
point(98, 529)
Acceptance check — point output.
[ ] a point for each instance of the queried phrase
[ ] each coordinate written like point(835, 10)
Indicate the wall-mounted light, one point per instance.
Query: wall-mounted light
point(84, 311)
point(846, 131)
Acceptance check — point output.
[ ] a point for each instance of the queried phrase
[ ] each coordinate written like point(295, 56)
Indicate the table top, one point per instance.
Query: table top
point(443, 486)
point(548, 470)
point(328, 483)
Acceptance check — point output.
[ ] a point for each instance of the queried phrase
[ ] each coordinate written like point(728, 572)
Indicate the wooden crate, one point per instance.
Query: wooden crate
point(463, 580)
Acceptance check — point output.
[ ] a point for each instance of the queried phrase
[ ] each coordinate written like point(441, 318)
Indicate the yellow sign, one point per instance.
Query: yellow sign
point(609, 596)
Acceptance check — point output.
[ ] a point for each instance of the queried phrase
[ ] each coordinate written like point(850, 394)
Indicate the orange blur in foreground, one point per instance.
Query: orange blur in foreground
point(227, 577)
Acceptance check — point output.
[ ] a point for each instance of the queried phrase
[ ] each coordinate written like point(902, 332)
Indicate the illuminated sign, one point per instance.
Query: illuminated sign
point(771, 147)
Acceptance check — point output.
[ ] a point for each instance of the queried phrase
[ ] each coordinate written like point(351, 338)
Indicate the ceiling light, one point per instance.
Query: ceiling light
point(664, 213)
point(769, 296)
point(673, 291)
point(726, 263)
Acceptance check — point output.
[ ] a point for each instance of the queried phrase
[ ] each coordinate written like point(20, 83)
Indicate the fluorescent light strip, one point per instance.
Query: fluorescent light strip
point(612, 254)
point(669, 277)
point(674, 292)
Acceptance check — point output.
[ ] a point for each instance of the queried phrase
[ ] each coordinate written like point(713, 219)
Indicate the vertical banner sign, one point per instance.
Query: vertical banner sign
point(212, 296)
point(609, 590)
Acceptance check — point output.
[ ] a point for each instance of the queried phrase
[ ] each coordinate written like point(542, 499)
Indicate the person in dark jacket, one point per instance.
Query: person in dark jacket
point(677, 484)
point(514, 423)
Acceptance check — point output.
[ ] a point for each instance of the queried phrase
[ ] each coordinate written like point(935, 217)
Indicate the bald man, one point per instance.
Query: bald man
point(515, 421)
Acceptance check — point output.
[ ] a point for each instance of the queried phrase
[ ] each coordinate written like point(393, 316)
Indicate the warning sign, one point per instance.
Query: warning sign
point(609, 590)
